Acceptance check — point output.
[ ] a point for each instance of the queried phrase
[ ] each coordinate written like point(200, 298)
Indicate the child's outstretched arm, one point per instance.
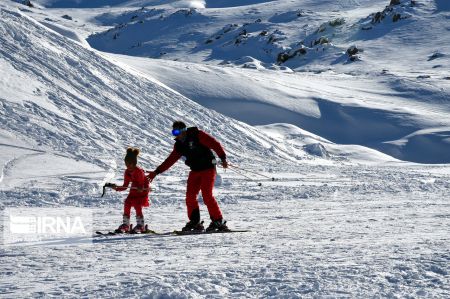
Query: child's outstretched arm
point(126, 182)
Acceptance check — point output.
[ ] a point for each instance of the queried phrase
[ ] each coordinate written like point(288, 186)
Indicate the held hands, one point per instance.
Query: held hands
point(224, 164)
point(151, 175)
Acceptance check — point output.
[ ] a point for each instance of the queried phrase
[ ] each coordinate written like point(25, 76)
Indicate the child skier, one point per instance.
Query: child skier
point(138, 196)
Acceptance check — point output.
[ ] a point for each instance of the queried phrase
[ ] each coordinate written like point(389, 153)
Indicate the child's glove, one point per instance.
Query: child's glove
point(111, 185)
point(108, 185)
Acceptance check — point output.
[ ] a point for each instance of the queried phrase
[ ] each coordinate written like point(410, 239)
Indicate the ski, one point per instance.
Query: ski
point(129, 232)
point(109, 233)
point(204, 232)
point(149, 233)
point(114, 233)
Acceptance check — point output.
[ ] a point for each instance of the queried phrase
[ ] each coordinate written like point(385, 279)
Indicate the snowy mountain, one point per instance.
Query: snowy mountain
point(89, 109)
point(327, 141)
point(340, 45)
point(273, 34)
point(400, 117)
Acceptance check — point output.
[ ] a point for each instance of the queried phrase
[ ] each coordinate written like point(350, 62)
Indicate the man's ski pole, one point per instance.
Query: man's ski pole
point(245, 176)
point(253, 172)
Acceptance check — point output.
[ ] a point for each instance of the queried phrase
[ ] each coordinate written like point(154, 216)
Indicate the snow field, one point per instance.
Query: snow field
point(359, 247)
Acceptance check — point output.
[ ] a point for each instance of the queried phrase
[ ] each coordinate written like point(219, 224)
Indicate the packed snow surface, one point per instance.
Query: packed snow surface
point(325, 149)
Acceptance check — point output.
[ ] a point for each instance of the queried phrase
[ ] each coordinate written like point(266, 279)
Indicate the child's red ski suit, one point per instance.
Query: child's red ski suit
point(135, 198)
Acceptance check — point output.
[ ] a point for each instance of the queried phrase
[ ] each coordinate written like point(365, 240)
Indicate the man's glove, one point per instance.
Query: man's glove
point(224, 164)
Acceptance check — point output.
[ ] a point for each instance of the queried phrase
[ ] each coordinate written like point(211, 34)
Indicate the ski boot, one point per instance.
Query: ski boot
point(124, 227)
point(218, 225)
point(193, 226)
point(140, 227)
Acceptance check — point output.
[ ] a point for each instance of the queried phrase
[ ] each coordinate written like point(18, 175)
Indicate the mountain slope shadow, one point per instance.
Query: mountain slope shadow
point(343, 125)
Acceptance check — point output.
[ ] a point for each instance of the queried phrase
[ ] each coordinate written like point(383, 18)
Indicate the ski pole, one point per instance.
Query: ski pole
point(245, 176)
point(253, 172)
point(109, 185)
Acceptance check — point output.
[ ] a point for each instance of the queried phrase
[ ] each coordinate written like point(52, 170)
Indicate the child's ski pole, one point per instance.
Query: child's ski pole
point(110, 185)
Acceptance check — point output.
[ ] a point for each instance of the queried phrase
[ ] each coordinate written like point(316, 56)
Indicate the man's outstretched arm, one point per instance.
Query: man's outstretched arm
point(170, 160)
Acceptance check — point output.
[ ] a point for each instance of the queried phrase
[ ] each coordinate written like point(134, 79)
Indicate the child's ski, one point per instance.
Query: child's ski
point(115, 233)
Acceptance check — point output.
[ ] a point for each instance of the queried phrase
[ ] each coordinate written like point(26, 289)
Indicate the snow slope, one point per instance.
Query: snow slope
point(81, 106)
point(336, 221)
point(372, 111)
point(413, 80)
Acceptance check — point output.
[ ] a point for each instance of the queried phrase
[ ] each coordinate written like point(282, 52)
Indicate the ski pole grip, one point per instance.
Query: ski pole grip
point(107, 185)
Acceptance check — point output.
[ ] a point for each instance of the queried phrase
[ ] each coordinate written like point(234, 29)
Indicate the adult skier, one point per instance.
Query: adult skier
point(195, 146)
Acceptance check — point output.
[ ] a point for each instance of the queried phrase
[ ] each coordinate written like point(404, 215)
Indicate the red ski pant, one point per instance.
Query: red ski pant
point(132, 202)
point(202, 181)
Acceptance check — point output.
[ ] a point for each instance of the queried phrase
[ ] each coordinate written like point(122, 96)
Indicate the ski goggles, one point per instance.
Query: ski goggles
point(177, 132)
